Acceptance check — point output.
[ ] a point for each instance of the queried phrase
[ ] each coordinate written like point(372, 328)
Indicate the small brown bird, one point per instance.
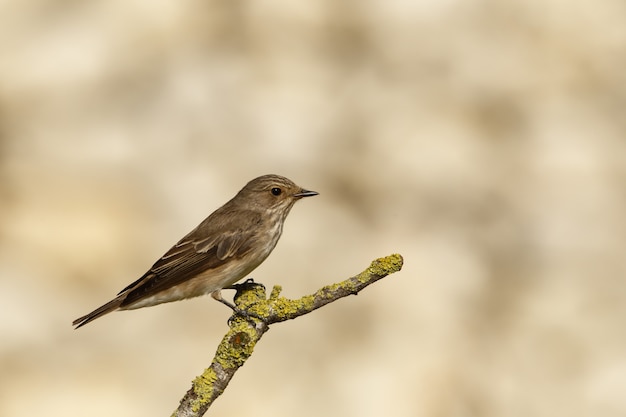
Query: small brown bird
point(224, 248)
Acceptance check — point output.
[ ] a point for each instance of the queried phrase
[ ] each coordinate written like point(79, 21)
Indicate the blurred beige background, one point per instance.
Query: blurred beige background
point(483, 140)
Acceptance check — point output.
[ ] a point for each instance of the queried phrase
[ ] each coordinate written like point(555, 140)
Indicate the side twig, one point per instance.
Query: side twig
point(238, 344)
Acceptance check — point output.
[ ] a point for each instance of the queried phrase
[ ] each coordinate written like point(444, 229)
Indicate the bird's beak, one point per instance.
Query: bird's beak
point(305, 193)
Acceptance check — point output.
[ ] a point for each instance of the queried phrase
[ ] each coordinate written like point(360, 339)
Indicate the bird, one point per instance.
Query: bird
point(224, 248)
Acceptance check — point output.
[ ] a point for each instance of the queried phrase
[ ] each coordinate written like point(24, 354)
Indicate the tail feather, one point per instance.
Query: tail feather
point(100, 311)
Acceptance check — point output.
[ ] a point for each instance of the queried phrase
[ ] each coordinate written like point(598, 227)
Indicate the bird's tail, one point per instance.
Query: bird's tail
point(100, 311)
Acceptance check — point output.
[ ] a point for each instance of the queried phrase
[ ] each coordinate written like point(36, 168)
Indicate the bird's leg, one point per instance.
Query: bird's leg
point(217, 295)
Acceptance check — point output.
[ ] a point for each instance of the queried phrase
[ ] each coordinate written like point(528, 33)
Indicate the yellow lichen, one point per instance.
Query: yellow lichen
point(387, 265)
point(275, 292)
point(284, 307)
point(203, 388)
point(236, 347)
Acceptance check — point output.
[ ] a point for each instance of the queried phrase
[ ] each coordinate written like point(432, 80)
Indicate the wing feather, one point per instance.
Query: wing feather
point(200, 250)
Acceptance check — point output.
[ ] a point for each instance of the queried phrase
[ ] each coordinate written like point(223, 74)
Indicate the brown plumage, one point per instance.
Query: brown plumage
point(223, 249)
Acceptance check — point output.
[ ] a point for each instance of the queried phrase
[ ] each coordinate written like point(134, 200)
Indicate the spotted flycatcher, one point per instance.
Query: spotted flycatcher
point(223, 249)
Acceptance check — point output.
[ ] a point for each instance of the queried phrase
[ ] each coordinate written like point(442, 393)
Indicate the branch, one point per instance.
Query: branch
point(238, 344)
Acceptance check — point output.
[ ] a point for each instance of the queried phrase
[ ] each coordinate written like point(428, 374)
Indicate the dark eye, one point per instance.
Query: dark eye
point(276, 191)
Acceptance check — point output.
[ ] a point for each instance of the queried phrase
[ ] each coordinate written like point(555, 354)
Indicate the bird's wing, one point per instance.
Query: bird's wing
point(199, 251)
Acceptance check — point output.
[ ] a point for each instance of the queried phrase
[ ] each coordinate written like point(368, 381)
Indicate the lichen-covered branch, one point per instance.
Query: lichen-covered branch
point(258, 313)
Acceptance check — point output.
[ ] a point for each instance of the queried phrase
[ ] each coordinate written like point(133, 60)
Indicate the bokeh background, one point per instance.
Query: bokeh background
point(483, 140)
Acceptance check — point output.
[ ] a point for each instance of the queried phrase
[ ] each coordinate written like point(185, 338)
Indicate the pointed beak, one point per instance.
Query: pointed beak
point(305, 193)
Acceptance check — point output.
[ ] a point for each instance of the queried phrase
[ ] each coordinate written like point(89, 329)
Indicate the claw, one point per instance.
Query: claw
point(247, 283)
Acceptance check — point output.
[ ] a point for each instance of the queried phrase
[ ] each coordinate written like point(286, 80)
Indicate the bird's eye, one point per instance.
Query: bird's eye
point(276, 191)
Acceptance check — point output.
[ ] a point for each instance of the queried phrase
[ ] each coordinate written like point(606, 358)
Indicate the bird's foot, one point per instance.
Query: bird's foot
point(249, 283)
point(247, 315)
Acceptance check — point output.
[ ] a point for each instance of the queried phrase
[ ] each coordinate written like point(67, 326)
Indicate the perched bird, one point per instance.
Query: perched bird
point(224, 248)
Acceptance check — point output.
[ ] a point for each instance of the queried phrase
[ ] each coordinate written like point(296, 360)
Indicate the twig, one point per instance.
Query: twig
point(238, 344)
